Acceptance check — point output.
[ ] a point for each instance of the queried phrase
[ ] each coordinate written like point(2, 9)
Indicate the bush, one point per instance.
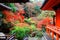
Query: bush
point(20, 32)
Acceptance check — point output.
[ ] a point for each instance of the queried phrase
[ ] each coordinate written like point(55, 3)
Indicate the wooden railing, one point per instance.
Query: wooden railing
point(54, 31)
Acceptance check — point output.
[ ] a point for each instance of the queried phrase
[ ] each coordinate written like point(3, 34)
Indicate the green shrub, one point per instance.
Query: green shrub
point(20, 32)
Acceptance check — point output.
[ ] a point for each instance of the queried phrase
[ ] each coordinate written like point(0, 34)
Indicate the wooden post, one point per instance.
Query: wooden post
point(47, 30)
point(57, 37)
point(52, 35)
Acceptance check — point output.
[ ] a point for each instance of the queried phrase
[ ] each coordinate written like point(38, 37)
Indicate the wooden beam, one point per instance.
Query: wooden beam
point(2, 6)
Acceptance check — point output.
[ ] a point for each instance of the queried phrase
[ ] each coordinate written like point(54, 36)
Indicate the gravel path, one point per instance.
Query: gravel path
point(46, 37)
